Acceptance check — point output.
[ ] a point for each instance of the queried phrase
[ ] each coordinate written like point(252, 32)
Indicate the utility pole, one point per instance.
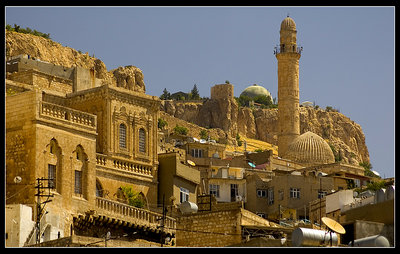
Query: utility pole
point(40, 205)
point(162, 220)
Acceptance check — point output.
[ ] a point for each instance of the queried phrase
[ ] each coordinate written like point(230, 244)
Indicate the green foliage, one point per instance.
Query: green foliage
point(134, 198)
point(238, 140)
point(161, 123)
point(203, 134)
point(166, 95)
point(374, 186)
point(180, 130)
point(265, 101)
point(26, 30)
point(258, 150)
point(227, 82)
point(194, 93)
point(331, 109)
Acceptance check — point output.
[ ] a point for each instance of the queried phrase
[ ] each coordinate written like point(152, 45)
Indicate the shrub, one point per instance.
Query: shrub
point(180, 130)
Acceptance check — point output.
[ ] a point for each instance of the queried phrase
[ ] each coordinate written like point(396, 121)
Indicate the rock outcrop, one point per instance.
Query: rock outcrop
point(344, 135)
point(129, 77)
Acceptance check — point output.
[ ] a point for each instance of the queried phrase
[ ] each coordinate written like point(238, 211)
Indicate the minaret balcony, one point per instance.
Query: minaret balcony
point(287, 49)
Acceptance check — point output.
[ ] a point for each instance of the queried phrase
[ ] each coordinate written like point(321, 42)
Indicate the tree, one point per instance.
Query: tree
point(203, 134)
point(180, 130)
point(166, 95)
point(195, 93)
point(132, 197)
point(161, 123)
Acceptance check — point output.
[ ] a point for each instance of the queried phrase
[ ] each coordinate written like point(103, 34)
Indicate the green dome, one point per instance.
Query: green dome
point(256, 90)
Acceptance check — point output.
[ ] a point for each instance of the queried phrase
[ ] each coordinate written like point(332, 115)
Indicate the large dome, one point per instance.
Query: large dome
point(256, 90)
point(310, 149)
point(288, 24)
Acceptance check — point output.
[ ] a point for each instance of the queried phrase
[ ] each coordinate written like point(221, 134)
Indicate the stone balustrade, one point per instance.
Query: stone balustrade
point(136, 215)
point(129, 166)
point(65, 114)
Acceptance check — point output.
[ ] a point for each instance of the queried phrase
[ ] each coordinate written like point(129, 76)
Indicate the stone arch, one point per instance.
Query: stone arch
point(100, 192)
point(53, 165)
point(80, 171)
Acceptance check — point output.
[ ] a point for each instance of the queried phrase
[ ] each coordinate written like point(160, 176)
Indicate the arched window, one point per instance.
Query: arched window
point(142, 140)
point(99, 189)
point(122, 135)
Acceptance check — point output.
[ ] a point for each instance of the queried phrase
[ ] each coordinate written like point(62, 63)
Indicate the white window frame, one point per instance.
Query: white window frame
point(295, 193)
point(183, 195)
point(214, 190)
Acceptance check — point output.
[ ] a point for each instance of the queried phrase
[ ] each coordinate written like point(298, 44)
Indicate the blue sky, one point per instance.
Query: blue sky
point(347, 60)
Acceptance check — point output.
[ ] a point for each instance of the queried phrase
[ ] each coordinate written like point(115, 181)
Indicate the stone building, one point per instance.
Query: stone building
point(90, 139)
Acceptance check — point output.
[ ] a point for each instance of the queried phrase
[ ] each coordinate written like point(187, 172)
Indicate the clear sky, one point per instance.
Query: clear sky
point(347, 60)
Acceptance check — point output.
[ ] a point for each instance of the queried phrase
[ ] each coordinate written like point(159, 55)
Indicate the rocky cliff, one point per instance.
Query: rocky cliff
point(344, 135)
point(222, 117)
point(129, 77)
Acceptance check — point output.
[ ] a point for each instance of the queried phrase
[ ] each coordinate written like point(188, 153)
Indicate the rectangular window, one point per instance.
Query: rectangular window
point(261, 193)
point(234, 192)
point(294, 193)
point(197, 153)
point(321, 194)
point(122, 135)
point(52, 176)
point(184, 194)
point(78, 182)
point(214, 190)
point(270, 196)
point(142, 141)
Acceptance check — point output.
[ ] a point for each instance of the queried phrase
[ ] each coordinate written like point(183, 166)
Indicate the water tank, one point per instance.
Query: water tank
point(188, 207)
point(371, 241)
point(313, 237)
point(380, 195)
point(390, 192)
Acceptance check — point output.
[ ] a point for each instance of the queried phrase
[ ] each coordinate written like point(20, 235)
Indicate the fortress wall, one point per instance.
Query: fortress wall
point(222, 91)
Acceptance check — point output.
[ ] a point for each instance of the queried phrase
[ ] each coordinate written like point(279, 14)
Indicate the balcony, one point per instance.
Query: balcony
point(282, 49)
point(67, 116)
point(123, 166)
point(134, 215)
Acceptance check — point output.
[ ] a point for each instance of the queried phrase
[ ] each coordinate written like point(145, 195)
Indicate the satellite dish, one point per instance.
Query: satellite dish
point(191, 163)
point(333, 225)
point(376, 173)
point(17, 179)
point(251, 164)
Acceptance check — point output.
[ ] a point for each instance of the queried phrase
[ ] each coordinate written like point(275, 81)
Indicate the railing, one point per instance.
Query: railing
point(103, 160)
point(136, 215)
point(292, 49)
point(66, 114)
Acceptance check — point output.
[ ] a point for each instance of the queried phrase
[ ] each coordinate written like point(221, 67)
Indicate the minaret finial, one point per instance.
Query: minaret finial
point(288, 15)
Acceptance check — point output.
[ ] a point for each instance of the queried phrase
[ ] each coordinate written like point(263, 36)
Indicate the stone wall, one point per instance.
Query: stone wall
point(209, 229)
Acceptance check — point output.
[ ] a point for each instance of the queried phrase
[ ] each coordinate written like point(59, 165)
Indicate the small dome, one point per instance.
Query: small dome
point(288, 24)
point(256, 90)
point(309, 148)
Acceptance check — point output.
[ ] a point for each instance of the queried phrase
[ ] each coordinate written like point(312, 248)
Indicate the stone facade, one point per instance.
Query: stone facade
point(288, 86)
point(91, 139)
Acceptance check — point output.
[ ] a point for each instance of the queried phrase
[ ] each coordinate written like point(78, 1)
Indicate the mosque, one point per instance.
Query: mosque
point(309, 148)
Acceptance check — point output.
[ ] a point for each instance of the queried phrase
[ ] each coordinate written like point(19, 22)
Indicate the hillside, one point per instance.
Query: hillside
point(222, 118)
point(344, 135)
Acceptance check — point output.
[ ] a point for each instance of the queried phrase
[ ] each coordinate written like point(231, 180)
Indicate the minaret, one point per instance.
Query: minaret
point(288, 55)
